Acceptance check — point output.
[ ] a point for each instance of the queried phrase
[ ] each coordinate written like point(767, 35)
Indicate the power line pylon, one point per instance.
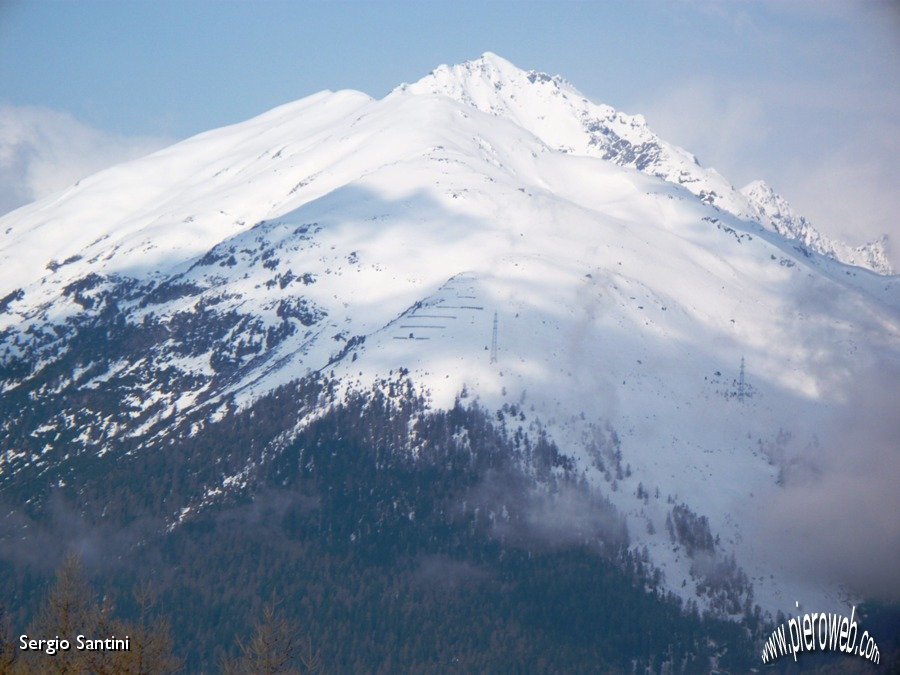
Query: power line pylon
point(494, 341)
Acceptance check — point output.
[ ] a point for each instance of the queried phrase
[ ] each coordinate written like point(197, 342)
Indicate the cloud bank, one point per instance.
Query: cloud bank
point(835, 517)
point(809, 102)
point(43, 151)
point(845, 185)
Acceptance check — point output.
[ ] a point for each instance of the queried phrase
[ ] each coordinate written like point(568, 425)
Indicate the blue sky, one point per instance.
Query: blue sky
point(805, 95)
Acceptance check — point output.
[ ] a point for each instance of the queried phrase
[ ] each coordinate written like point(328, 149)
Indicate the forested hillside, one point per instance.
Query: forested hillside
point(393, 537)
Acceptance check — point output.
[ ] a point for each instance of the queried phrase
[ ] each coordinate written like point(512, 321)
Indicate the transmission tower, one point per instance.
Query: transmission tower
point(741, 385)
point(494, 341)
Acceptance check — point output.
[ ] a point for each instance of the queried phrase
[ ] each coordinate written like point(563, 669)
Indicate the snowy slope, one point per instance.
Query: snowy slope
point(561, 116)
point(358, 236)
point(775, 212)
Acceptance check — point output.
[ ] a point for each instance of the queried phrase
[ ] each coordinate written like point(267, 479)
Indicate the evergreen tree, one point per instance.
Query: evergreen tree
point(274, 649)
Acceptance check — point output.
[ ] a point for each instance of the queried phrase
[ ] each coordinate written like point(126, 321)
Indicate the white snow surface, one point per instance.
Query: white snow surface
point(561, 116)
point(775, 212)
point(627, 287)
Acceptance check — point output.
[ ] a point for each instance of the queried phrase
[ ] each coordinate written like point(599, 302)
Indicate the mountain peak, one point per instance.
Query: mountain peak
point(757, 187)
point(566, 121)
point(477, 81)
point(496, 61)
point(773, 206)
point(775, 212)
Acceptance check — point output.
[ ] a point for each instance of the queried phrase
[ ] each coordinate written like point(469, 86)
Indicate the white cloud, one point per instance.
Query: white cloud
point(718, 126)
point(850, 192)
point(841, 493)
point(43, 151)
point(833, 157)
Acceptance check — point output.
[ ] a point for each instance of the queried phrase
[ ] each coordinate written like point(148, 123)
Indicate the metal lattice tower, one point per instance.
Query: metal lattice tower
point(741, 385)
point(494, 341)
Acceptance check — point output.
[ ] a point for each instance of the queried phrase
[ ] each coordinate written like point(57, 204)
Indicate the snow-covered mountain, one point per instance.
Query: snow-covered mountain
point(774, 211)
point(560, 115)
point(485, 229)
